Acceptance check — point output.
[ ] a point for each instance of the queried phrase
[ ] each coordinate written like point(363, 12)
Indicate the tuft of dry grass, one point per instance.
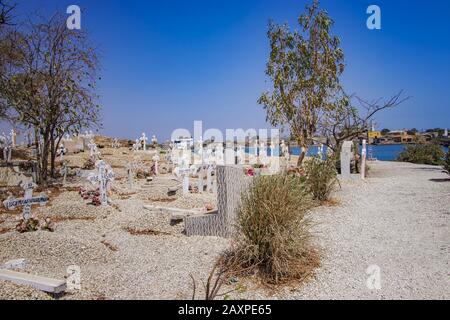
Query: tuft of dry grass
point(61, 218)
point(145, 232)
point(272, 236)
point(110, 246)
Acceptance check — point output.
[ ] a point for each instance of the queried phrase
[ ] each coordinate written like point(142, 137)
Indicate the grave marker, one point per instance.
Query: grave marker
point(103, 177)
point(363, 159)
point(346, 156)
point(143, 140)
point(26, 201)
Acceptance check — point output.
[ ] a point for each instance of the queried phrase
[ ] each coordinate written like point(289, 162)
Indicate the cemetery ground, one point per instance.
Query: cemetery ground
point(397, 219)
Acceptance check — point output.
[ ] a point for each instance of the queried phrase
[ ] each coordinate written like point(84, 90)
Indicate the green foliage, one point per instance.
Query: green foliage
point(424, 153)
point(321, 177)
point(304, 68)
point(447, 162)
point(273, 230)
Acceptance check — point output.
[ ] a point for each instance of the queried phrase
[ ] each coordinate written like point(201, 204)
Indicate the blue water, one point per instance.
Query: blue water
point(379, 152)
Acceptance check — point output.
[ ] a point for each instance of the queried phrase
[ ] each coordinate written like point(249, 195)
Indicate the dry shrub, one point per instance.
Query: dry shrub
point(272, 233)
point(321, 177)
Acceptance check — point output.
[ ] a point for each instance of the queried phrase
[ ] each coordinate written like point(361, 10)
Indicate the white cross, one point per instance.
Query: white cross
point(13, 137)
point(93, 152)
point(143, 140)
point(62, 150)
point(102, 177)
point(184, 171)
point(63, 172)
point(26, 201)
point(156, 160)
point(136, 145)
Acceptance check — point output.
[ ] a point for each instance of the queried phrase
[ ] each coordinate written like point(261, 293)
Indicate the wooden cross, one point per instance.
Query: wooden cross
point(103, 177)
point(26, 201)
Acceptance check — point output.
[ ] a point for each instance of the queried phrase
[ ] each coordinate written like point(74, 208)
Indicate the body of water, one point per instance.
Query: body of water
point(380, 152)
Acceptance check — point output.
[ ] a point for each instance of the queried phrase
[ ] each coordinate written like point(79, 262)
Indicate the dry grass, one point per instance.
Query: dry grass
point(273, 238)
point(5, 230)
point(110, 246)
point(62, 218)
point(145, 232)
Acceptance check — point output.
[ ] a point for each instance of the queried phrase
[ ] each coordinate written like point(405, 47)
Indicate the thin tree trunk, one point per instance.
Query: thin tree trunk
point(303, 151)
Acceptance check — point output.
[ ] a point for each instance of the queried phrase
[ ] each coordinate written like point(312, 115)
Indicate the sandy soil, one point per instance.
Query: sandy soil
point(398, 219)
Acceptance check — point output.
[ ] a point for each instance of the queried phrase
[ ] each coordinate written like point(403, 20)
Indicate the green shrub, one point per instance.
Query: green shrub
point(426, 153)
point(321, 177)
point(272, 232)
point(447, 162)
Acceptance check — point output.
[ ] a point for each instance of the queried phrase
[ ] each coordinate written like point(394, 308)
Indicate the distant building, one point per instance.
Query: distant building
point(399, 136)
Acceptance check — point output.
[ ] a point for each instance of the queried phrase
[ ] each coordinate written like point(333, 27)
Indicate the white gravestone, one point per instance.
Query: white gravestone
point(184, 171)
point(156, 159)
point(63, 172)
point(103, 178)
point(13, 137)
point(26, 201)
point(363, 159)
point(346, 157)
point(143, 141)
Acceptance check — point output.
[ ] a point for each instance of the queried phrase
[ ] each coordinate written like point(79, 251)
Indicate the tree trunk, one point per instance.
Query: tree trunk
point(304, 150)
point(38, 156)
point(52, 155)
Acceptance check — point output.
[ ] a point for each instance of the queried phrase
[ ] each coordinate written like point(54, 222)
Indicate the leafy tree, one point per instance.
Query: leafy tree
point(304, 68)
point(50, 87)
point(385, 131)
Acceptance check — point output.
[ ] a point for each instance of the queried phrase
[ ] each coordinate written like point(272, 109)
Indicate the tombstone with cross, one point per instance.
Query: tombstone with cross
point(183, 171)
point(143, 141)
point(61, 152)
point(103, 178)
point(27, 201)
point(93, 151)
point(136, 145)
point(156, 159)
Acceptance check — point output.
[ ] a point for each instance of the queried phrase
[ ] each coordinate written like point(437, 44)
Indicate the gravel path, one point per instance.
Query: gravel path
point(398, 220)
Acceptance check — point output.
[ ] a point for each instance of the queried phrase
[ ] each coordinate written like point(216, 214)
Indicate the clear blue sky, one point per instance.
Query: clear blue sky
point(168, 63)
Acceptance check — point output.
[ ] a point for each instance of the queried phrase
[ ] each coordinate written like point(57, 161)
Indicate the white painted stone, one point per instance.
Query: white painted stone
point(42, 283)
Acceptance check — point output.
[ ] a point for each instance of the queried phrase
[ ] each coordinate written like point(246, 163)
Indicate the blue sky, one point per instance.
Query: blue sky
point(168, 63)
